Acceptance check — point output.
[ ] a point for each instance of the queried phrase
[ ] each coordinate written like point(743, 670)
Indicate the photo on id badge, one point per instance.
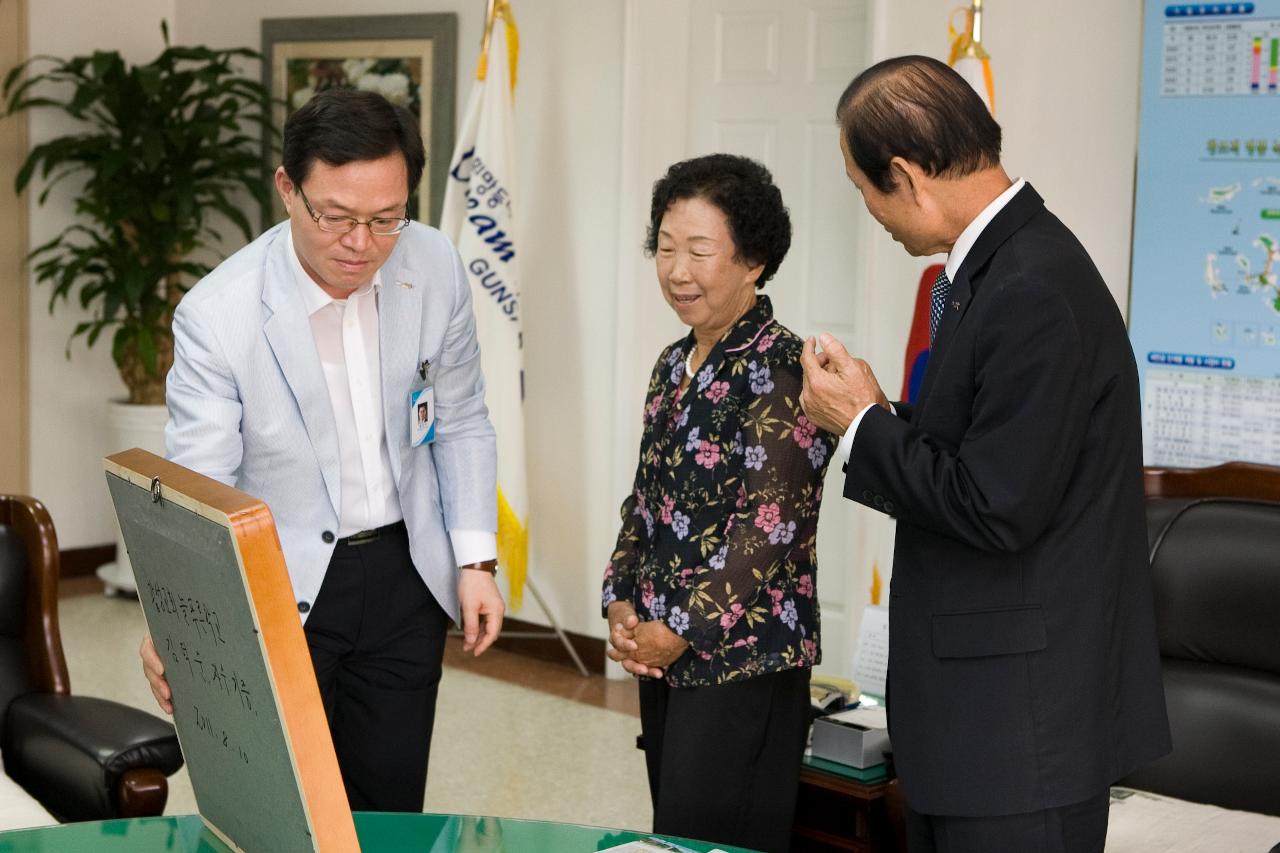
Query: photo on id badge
point(422, 416)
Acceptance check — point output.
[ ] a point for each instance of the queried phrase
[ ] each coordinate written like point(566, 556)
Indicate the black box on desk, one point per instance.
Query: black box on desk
point(843, 738)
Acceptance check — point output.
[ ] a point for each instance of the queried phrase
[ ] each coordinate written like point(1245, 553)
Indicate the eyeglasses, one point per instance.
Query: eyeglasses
point(380, 226)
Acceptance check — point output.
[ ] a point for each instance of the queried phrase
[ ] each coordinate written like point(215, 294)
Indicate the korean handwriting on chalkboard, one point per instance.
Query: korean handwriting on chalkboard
point(210, 672)
point(205, 724)
point(190, 611)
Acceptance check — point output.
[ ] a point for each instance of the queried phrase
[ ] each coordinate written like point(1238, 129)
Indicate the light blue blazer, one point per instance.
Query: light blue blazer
point(248, 403)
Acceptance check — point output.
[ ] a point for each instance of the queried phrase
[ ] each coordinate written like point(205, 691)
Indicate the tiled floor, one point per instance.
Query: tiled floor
point(514, 737)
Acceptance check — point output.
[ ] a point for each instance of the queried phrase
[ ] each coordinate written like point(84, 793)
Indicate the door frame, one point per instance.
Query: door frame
point(15, 287)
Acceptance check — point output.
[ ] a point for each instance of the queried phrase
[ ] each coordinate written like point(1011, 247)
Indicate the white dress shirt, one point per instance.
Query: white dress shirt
point(955, 258)
point(346, 337)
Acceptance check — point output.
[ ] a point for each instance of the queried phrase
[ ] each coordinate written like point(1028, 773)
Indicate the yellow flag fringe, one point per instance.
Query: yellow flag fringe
point(513, 549)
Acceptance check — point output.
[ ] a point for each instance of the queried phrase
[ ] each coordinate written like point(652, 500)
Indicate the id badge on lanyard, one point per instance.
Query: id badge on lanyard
point(422, 410)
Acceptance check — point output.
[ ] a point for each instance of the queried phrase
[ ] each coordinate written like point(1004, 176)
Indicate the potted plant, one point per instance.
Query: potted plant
point(166, 150)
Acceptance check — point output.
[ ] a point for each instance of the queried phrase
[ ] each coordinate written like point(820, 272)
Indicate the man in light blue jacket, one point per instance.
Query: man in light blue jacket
point(300, 366)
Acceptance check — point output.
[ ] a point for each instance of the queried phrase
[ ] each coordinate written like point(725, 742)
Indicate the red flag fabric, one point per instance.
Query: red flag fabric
point(917, 354)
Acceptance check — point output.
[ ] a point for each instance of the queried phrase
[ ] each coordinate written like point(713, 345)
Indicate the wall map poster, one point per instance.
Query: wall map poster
point(1204, 314)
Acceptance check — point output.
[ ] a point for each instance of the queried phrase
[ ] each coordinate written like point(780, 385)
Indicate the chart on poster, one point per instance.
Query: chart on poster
point(1204, 314)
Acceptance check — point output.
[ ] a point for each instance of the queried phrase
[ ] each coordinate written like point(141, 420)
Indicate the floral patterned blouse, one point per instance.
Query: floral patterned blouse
point(718, 533)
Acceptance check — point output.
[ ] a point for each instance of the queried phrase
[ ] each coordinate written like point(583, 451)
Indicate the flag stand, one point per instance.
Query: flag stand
point(556, 631)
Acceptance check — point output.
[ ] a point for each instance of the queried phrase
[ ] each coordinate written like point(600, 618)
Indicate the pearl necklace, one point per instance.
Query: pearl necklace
point(688, 362)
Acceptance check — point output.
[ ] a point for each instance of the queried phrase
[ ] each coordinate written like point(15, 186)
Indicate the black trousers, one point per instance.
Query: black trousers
point(376, 636)
point(1077, 828)
point(724, 761)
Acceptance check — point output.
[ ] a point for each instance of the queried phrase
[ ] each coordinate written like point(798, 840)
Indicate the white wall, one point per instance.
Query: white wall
point(569, 127)
point(1070, 127)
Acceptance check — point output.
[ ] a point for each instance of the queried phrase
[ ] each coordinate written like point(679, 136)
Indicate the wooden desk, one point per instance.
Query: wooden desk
point(837, 814)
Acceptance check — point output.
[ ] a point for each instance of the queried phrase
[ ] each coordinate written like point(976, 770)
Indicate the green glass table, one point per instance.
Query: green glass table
point(430, 833)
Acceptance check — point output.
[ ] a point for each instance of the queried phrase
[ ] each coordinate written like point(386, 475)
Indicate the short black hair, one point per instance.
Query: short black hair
point(744, 192)
point(340, 126)
point(917, 108)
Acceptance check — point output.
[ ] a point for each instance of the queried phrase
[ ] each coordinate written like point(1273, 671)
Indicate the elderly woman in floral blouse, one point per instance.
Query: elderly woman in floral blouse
point(710, 594)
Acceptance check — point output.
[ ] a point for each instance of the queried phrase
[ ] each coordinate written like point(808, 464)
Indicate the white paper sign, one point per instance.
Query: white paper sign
point(871, 660)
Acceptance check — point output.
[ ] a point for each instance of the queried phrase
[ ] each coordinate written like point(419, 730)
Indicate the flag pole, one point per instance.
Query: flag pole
point(513, 555)
point(556, 632)
point(490, 15)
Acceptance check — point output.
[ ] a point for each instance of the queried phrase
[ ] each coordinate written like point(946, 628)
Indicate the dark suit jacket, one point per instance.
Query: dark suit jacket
point(1023, 667)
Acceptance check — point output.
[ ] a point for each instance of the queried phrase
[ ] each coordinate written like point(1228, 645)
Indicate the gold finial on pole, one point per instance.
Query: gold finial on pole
point(968, 56)
point(495, 9)
point(967, 41)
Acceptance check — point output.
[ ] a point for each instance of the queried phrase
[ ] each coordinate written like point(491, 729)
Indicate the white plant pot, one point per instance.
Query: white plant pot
point(130, 426)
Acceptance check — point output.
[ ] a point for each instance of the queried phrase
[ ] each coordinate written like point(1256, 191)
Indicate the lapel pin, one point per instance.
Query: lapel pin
point(955, 305)
point(407, 285)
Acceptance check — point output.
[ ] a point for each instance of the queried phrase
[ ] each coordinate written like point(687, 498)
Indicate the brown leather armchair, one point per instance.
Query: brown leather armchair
point(82, 758)
point(1214, 538)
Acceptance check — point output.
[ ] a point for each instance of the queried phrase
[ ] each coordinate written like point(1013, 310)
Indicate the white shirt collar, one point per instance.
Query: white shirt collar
point(969, 235)
point(313, 296)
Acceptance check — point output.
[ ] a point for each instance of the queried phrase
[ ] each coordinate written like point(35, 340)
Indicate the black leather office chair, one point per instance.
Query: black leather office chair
point(81, 758)
point(1215, 556)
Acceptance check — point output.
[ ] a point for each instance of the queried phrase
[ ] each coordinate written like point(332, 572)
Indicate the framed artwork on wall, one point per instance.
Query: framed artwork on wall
point(410, 59)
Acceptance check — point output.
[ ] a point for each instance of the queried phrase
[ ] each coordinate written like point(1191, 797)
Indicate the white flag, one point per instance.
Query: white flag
point(477, 216)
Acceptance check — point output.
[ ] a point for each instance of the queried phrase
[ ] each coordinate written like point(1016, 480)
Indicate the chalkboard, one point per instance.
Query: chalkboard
point(212, 581)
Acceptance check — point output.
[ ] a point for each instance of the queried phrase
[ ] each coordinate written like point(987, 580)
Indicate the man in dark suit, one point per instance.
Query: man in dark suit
point(1023, 670)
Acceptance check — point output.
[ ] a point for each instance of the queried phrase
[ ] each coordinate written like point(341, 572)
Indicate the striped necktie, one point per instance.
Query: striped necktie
point(938, 302)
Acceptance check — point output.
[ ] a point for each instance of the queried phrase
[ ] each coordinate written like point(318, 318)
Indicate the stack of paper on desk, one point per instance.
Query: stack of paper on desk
point(1142, 822)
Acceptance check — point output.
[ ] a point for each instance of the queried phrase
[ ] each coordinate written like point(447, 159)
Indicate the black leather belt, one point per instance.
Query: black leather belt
point(364, 537)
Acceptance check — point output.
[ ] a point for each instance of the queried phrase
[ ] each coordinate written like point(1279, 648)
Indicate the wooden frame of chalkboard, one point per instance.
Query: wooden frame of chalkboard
point(221, 612)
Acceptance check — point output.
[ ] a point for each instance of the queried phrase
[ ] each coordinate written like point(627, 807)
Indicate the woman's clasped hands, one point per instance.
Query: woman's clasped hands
point(643, 648)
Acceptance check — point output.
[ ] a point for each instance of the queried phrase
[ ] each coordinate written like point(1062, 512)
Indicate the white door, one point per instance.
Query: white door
point(759, 78)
